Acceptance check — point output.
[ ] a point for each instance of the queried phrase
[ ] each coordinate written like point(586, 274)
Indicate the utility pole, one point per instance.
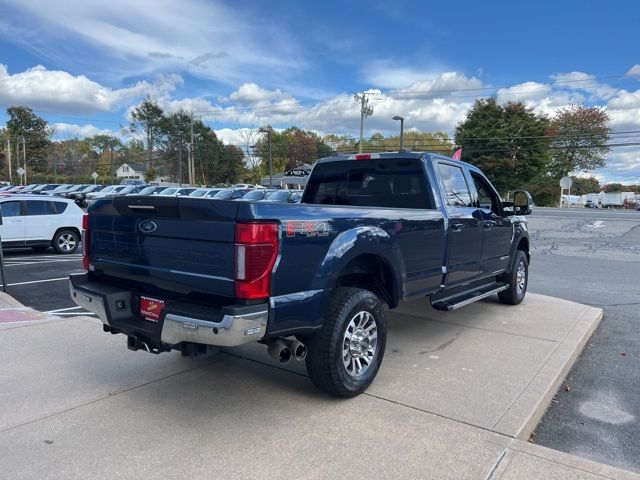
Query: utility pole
point(18, 156)
point(192, 176)
point(24, 157)
point(366, 110)
point(111, 159)
point(9, 160)
point(180, 162)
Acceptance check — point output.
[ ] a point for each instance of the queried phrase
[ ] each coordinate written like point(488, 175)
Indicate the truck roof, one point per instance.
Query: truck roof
point(390, 155)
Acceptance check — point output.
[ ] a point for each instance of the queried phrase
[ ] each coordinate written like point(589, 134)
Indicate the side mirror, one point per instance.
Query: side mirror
point(521, 202)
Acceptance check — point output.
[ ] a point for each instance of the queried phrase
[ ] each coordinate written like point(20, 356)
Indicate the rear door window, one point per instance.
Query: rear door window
point(39, 207)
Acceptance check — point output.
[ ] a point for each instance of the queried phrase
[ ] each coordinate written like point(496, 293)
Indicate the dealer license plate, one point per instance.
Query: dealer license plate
point(151, 308)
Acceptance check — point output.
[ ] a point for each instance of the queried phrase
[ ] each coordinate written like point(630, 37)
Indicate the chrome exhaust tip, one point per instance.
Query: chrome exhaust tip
point(279, 351)
point(298, 349)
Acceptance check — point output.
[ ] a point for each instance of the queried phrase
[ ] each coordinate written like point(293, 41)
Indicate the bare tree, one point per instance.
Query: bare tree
point(248, 137)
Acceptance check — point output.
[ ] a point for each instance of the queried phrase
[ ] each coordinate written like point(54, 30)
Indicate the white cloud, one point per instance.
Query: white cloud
point(253, 94)
point(635, 70)
point(206, 39)
point(60, 92)
point(446, 84)
point(584, 82)
point(71, 130)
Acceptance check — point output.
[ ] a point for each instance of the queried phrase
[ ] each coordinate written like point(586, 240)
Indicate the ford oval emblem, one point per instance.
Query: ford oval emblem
point(147, 226)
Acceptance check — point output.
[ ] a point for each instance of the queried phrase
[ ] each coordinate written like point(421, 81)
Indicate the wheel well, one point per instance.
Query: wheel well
point(371, 272)
point(523, 245)
point(73, 229)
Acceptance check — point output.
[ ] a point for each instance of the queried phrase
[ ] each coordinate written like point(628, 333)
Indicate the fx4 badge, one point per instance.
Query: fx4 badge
point(316, 228)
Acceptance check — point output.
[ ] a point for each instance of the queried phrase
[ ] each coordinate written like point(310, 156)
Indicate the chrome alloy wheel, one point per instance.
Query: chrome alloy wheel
point(67, 242)
point(359, 343)
point(521, 277)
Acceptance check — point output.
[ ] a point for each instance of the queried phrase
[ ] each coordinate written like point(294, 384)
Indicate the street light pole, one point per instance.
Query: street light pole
point(397, 117)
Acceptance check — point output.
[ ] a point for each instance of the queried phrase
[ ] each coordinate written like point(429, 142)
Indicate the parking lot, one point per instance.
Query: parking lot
point(588, 256)
point(39, 280)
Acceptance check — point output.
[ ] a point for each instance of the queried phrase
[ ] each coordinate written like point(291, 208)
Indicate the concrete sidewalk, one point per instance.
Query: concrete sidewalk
point(455, 394)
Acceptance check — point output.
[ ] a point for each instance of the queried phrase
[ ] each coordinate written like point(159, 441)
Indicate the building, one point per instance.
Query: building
point(136, 171)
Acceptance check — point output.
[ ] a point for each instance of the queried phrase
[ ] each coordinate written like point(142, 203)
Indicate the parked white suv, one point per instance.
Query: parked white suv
point(40, 223)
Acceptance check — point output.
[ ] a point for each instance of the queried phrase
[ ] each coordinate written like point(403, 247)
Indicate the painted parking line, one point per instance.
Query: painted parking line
point(37, 281)
point(42, 257)
point(15, 264)
point(71, 311)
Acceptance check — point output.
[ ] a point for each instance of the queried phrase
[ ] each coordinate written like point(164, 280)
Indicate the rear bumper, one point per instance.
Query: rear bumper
point(225, 327)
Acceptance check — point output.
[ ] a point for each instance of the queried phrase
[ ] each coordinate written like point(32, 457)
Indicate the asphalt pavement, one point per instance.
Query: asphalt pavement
point(593, 257)
point(584, 255)
point(40, 280)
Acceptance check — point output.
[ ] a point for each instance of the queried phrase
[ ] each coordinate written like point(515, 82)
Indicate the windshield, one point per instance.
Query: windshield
point(279, 196)
point(198, 193)
point(146, 191)
point(254, 195)
point(223, 194)
point(169, 191)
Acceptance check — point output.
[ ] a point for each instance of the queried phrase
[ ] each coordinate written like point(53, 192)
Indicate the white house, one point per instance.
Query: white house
point(135, 171)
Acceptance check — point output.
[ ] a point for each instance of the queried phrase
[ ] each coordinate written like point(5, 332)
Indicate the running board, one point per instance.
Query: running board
point(456, 301)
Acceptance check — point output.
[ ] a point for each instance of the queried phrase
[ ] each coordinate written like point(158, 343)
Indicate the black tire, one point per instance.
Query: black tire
point(41, 248)
point(325, 360)
point(65, 241)
point(515, 294)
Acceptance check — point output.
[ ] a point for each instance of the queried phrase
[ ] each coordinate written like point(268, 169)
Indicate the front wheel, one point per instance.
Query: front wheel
point(345, 355)
point(65, 241)
point(517, 279)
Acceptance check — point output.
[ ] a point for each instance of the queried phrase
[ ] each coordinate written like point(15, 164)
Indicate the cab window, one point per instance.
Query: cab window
point(456, 190)
point(487, 199)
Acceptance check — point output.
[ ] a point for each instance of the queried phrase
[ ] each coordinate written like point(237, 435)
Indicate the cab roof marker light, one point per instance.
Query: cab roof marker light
point(364, 156)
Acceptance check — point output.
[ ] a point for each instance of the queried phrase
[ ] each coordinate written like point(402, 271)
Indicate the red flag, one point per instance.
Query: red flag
point(457, 155)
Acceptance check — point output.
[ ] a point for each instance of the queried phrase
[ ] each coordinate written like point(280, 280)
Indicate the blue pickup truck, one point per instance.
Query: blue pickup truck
point(309, 280)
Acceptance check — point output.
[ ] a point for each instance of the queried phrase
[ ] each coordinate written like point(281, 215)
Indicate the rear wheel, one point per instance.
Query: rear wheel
point(66, 241)
point(344, 357)
point(517, 279)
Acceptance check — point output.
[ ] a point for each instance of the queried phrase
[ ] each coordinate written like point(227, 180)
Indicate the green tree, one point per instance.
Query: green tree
point(148, 121)
point(107, 148)
point(508, 142)
point(24, 124)
point(615, 187)
point(290, 148)
point(580, 135)
point(582, 186)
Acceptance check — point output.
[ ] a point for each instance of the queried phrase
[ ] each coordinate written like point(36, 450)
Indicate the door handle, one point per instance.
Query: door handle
point(456, 227)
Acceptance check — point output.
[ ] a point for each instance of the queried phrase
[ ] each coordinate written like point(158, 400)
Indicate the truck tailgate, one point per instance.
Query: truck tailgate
point(181, 245)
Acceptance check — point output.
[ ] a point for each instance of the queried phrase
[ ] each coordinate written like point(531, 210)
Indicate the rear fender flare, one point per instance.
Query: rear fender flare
point(354, 243)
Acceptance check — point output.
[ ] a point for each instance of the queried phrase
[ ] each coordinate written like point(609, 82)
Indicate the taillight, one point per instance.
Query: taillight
point(85, 241)
point(256, 253)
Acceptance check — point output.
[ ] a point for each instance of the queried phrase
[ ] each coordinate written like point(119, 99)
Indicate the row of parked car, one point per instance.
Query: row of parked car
point(44, 216)
point(84, 195)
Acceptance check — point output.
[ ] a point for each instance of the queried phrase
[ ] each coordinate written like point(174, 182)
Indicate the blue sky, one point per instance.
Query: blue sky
point(238, 65)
